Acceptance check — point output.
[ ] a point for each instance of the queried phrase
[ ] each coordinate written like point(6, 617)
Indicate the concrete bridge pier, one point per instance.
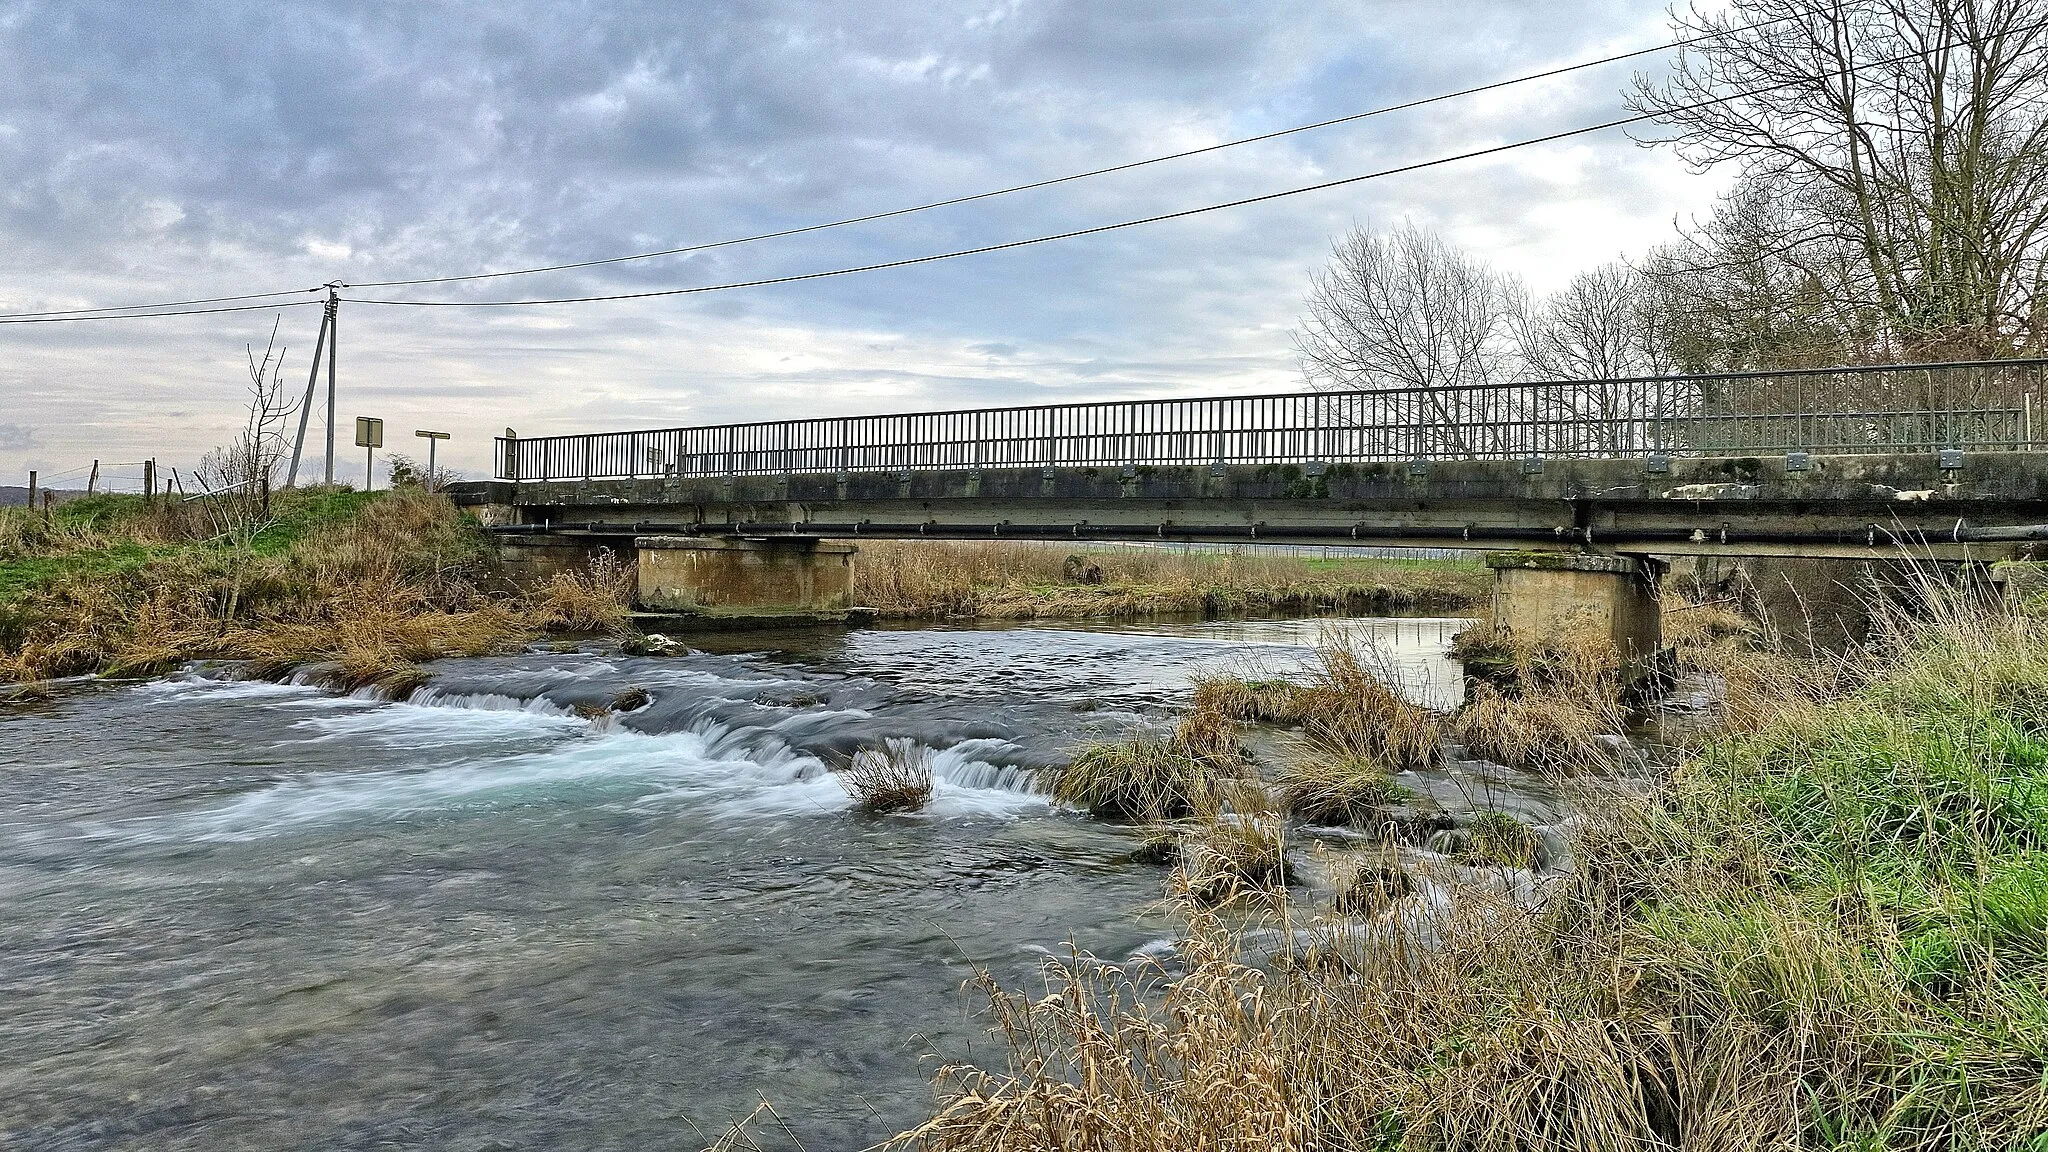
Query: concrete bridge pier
point(745, 577)
point(1537, 595)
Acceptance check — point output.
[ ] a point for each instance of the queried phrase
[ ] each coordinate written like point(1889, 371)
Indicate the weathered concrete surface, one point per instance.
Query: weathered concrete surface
point(526, 560)
point(1537, 595)
point(754, 577)
point(1844, 507)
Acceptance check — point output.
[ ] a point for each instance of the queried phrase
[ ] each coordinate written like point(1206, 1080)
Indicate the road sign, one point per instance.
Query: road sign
point(433, 440)
point(369, 432)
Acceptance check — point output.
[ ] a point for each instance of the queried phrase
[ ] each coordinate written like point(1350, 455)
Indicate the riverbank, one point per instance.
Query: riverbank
point(1827, 926)
point(370, 584)
point(933, 580)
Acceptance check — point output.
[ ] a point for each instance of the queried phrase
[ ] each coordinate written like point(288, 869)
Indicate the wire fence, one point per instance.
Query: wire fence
point(1972, 405)
point(98, 478)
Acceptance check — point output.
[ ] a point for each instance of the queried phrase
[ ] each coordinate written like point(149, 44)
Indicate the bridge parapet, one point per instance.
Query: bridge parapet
point(1966, 406)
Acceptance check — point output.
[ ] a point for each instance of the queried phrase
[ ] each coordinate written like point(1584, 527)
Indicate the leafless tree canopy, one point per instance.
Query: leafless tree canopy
point(1605, 323)
point(1403, 309)
point(236, 479)
point(1893, 176)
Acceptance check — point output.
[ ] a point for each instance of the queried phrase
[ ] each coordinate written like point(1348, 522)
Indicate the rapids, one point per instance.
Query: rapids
point(263, 916)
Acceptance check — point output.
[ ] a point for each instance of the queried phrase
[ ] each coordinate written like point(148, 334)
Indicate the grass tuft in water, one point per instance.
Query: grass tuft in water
point(1233, 858)
point(1340, 792)
point(896, 777)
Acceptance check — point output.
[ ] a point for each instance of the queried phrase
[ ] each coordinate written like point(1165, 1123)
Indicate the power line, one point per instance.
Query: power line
point(1093, 172)
point(164, 304)
point(1154, 219)
point(34, 319)
point(149, 309)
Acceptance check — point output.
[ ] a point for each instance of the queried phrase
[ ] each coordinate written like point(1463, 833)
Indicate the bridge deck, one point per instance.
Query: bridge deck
point(1937, 504)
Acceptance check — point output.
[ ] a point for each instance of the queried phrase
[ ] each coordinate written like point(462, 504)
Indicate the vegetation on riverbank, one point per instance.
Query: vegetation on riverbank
point(1827, 928)
point(368, 584)
point(1016, 580)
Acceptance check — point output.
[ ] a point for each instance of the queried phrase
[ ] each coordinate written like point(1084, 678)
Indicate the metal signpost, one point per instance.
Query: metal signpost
point(432, 439)
point(369, 437)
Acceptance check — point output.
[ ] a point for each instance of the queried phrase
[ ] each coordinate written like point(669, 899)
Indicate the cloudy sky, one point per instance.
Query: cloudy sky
point(164, 151)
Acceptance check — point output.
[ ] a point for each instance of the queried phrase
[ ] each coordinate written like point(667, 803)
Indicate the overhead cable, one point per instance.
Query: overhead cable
point(1143, 220)
point(154, 315)
point(150, 309)
point(1093, 172)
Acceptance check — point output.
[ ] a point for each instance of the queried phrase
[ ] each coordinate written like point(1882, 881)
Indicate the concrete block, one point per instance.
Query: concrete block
point(736, 576)
point(1537, 595)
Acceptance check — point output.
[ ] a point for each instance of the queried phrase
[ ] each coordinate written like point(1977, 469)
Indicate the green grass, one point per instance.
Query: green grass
point(112, 536)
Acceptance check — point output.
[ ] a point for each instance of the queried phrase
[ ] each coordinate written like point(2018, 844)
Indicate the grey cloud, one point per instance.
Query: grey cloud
point(16, 437)
point(204, 148)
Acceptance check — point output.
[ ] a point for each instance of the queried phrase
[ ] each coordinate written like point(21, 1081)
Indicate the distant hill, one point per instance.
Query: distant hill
point(14, 496)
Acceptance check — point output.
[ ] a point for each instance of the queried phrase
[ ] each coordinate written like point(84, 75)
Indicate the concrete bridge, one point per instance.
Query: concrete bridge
point(1586, 487)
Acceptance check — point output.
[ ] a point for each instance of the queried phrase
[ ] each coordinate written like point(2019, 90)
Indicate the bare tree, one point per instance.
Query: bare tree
point(1900, 147)
point(1406, 310)
point(236, 479)
point(1601, 325)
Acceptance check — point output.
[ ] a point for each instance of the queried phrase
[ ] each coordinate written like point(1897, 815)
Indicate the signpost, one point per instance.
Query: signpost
point(369, 437)
point(432, 439)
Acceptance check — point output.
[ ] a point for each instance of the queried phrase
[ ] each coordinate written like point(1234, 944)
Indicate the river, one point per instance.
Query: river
point(242, 915)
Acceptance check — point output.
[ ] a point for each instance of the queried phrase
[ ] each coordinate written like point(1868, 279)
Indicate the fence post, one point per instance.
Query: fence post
point(31, 490)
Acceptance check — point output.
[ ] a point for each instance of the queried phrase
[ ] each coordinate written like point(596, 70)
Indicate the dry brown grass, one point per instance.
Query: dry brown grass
point(1547, 732)
point(896, 777)
point(1232, 859)
point(1320, 790)
point(1345, 707)
point(1199, 769)
point(375, 593)
point(594, 600)
point(1018, 580)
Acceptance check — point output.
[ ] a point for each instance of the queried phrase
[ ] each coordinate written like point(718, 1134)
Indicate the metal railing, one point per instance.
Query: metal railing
point(1973, 405)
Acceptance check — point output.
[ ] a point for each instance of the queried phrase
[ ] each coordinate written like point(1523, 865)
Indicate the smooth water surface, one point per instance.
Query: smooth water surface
point(239, 915)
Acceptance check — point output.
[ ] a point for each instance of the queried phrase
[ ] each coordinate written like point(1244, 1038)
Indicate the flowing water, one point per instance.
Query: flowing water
point(249, 915)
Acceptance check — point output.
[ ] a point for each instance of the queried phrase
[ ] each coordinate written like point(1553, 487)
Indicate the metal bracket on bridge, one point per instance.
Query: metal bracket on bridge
point(1950, 459)
point(1798, 461)
point(1532, 466)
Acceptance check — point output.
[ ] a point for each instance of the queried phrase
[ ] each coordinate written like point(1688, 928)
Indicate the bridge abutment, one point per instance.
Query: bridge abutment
point(734, 576)
point(1538, 595)
point(527, 560)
